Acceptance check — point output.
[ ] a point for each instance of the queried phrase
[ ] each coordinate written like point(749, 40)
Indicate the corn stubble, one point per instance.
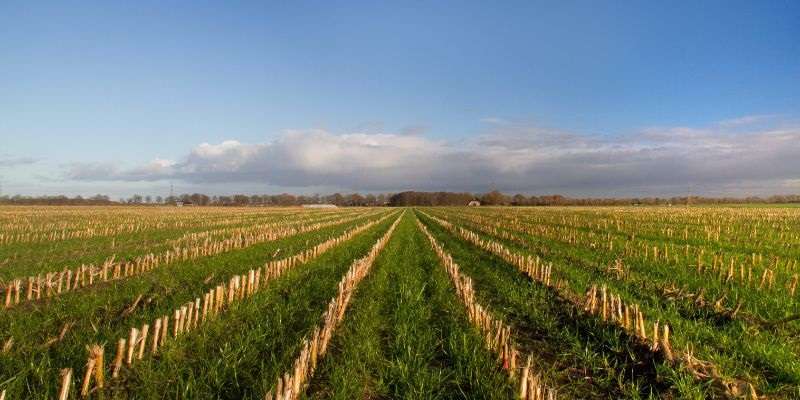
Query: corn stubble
point(707, 297)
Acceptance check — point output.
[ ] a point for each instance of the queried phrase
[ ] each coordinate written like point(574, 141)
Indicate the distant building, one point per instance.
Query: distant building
point(178, 203)
point(474, 203)
point(319, 206)
point(181, 203)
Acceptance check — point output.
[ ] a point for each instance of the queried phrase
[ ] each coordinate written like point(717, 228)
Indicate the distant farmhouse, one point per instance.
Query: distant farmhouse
point(474, 203)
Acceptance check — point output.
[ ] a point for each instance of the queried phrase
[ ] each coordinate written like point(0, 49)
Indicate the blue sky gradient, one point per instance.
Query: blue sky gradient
point(121, 84)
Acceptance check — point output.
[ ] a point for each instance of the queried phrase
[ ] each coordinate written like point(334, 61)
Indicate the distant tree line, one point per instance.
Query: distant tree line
point(496, 198)
point(284, 199)
point(199, 199)
point(430, 199)
point(57, 200)
point(408, 198)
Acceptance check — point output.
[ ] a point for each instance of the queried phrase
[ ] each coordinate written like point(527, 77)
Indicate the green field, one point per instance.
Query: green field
point(503, 300)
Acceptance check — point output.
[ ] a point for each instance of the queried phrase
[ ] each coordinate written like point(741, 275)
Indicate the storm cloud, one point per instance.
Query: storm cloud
point(737, 155)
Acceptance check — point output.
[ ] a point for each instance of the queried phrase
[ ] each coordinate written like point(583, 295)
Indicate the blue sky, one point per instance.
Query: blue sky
point(91, 93)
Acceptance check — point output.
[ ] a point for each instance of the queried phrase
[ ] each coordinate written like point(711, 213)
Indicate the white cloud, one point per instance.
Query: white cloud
point(792, 183)
point(512, 157)
point(494, 121)
point(7, 161)
point(745, 120)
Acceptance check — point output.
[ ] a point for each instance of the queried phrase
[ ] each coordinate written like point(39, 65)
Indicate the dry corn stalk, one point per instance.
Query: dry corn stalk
point(188, 316)
point(66, 383)
point(292, 383)
point(611, 308)
point(94, 369)
point(53, 283)
point(496, 333)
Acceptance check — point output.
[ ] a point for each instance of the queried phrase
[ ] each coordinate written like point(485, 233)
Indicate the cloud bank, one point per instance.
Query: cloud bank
point(6, 161)
point(736, 156)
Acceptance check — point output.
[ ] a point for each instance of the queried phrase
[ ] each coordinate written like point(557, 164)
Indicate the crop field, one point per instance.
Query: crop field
point(413, 303)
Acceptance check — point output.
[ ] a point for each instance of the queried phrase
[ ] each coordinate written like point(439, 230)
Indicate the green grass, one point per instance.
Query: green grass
point(241, 354)
point(406, 335)
point(584, 357)
point(765, 358)
point(23, 259)
point(97, 313)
